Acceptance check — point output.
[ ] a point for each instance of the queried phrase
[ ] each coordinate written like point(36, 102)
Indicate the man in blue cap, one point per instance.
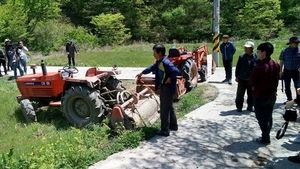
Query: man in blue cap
point(71, 50)
point(289, 65)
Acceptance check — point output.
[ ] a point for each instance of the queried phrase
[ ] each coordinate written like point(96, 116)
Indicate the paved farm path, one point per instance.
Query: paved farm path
point(212, 136)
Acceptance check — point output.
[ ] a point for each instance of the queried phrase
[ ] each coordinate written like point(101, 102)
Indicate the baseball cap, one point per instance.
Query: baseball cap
point(6, 40)
point(249, 44)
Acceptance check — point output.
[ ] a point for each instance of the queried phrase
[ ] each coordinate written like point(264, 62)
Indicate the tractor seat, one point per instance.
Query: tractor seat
point(174, 52)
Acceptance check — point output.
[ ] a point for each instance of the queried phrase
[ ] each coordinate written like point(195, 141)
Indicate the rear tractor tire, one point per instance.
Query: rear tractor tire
point(82, 106)
point(28, 111)
point(190, 73)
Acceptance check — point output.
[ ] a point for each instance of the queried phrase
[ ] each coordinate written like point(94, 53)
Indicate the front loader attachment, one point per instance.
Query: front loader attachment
point(142, 109)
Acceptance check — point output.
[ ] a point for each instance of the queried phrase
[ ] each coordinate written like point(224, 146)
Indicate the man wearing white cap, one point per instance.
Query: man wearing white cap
point(244, 67)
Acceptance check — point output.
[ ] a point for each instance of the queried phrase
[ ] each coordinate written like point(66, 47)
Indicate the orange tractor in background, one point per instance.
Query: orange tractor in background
point(192, 66)
point(88, 99)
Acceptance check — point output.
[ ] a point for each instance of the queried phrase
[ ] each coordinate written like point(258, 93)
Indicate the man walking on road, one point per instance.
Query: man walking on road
point(244, 67)
point(289, 63)
point(264, 81)
point(228, 50)
point(165, 80)
point(71, 50)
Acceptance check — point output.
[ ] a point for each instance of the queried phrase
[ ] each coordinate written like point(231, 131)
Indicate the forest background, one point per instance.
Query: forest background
point(44, 25)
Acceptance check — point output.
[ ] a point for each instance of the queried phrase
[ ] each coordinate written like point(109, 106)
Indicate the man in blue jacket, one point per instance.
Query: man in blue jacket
point(244, 67)
point(165, 80)
point(228, 50)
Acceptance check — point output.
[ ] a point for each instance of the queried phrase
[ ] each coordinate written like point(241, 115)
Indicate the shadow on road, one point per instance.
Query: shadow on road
point(234, 113)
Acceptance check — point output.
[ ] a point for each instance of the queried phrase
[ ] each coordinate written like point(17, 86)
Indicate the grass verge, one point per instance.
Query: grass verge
point(137, 55)
point(53, 143)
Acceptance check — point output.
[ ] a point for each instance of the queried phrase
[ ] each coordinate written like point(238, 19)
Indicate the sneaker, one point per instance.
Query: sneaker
point(239, 110)
point(295, 140)
point(225, 80)
point(230, 81)
point(261, 141)
point(251, 109)
point(162, 133)
point(295, 159)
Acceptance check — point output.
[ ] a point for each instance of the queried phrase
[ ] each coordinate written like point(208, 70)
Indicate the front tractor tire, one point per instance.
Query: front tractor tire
point(190, 73)
point(82, 106)
point(28, 111)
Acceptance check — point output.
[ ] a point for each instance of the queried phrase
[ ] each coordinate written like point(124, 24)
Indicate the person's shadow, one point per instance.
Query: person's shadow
point(234, 113)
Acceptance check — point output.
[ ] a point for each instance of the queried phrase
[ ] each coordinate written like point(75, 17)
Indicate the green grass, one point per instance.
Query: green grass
point(137, 55)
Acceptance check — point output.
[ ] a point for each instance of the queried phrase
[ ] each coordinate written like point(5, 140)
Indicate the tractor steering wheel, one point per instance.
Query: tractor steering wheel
point(70, 69)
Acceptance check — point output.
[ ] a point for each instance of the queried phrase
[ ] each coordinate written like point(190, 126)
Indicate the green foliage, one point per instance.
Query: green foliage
point(110, 29)
point(82, 36)
point(13, 21)
point(257, 22)
point(51, 35)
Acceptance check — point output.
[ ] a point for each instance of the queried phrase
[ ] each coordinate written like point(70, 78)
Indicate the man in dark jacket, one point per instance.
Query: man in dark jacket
point(71, 50)
point(264, 81)
point(165, 80)
point(228, 50)
point(2, 62)
point(244, 67)
point(7, 48)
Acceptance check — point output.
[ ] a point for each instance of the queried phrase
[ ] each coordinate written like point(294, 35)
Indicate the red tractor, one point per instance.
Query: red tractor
point(192, 66)
point(88, 99)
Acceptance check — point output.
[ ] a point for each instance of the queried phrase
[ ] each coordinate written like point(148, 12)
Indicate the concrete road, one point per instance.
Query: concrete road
point(126, 73)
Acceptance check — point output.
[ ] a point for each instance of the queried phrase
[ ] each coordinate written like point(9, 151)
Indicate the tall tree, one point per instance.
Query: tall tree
point(291, 14)
point(259, 19)
point(110, 29)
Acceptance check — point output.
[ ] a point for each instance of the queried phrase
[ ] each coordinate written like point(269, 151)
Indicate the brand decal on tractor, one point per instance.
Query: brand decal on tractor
point(37, 83)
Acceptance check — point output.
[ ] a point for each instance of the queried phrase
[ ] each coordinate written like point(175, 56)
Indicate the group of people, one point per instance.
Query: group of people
point(259, 75)
point(14, 58)
point(256, 72)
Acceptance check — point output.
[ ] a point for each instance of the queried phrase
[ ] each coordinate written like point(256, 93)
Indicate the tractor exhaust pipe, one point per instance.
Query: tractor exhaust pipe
point(44, 70)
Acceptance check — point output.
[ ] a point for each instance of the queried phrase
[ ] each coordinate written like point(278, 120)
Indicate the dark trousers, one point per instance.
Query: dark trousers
point(167, 114)
point(288, 75)
point(8, 66)
point(69, 60)
point(3, 63)
point(228, 68)
point(243, 85)
point(263, 113)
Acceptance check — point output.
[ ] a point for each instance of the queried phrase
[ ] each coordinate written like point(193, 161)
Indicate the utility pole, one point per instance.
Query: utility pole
point(216, 31)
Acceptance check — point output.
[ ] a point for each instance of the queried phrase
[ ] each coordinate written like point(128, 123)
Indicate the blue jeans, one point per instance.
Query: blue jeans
point(23, 63)
point(15, 66)
point(263, 113)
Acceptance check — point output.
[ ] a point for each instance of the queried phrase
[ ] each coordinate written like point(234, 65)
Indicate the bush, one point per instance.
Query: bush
point(51, 36)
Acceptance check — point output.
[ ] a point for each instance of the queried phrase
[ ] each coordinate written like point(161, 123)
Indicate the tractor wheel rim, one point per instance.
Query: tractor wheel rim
point(81, 108)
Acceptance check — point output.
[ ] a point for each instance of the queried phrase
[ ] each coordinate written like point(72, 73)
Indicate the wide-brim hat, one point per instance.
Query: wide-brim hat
point(293, 39)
